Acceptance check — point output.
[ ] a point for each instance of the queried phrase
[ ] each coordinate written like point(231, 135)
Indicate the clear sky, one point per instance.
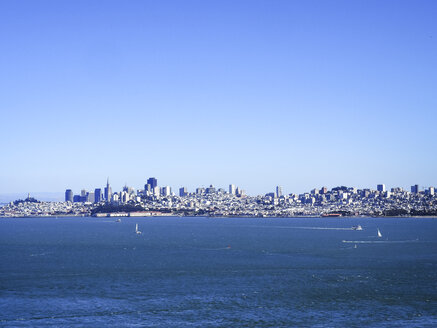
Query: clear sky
point(301, 94)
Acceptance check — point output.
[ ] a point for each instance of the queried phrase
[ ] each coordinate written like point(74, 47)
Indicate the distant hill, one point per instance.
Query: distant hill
point(41, 196)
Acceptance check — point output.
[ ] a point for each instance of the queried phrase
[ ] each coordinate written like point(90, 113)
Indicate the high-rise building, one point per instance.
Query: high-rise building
point(232, 189)
point(90, 197)
point(165, 191)
point(323, 190)
point(415, 189)
point(68, 195)
point(97, 195)
point(108, 191)
point(210, 189)
point(380, 187)
point(431, 191)
point(278, 191)
point(239, 192)
point(152, 182)
point(182, 192)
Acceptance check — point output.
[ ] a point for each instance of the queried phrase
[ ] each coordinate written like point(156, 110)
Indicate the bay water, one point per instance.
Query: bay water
point(218, 272)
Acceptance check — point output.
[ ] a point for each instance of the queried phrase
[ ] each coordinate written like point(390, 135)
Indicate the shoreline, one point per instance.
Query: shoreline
point(217, 217)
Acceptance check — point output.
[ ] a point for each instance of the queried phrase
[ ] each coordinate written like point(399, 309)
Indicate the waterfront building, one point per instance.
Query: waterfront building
point(232, 189)
point(97, 195)
point(68, 195)
point(380, 187)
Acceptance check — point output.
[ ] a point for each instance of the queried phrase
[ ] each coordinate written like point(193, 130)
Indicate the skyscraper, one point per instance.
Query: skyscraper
point(152, 182)
point(232, 189)
point(278, 191)
point(415, 189)
point(90, 197)
point(165, 191)
point(108, 191)
point(182, 192)
point(380, 187)
point(68, 195)
point(97, 195)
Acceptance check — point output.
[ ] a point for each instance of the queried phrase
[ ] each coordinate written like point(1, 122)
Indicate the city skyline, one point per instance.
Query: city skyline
point(60, 195)
point(152, 188)
point(254, 93)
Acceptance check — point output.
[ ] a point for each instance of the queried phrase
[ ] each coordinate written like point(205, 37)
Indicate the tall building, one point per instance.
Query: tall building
point(152, 182)
point(108, 191)
point(68, 195)
point(278, 191)
point(97, 195)
point(239, 192)
point(182, 192)
point(166, 191)
point(415, 189)
point(232, 189)
point(90, 197)
point(380, 187)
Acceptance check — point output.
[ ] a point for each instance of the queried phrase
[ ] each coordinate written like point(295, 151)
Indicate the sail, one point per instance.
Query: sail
point(379, 234)
point(136, 228)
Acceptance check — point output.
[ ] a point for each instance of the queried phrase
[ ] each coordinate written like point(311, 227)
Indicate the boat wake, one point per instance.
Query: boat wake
point(288, 227)
point(379, 241)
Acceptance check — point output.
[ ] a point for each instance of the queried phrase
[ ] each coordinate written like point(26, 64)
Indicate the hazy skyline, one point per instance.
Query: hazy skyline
point(300, 94)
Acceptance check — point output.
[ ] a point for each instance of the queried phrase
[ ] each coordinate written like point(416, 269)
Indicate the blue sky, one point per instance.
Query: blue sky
point(256, 93)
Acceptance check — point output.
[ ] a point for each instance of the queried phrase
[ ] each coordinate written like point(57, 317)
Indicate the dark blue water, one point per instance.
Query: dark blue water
point(198, 272)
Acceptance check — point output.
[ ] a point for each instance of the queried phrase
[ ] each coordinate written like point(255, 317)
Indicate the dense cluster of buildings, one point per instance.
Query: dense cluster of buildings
point(151, 190)
point(211, 201)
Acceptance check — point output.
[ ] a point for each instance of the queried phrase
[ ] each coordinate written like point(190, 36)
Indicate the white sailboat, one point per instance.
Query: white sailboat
point(138, 232)
point(379, 234)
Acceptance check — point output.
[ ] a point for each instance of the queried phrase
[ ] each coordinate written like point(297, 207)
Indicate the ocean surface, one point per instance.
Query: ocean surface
point(211, 272)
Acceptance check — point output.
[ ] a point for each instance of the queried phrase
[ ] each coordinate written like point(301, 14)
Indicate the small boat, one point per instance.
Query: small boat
point(355, 246)
point(138, 232)
point(118, 220)
point(379, 234)
point(357, 228)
